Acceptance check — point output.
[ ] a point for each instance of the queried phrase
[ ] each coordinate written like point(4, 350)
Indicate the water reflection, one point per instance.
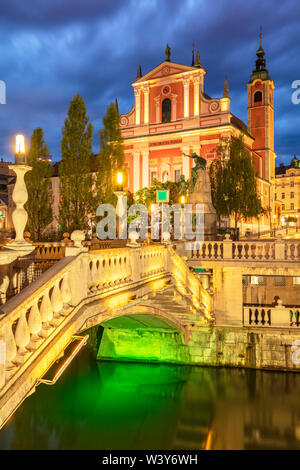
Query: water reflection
point(143, 406)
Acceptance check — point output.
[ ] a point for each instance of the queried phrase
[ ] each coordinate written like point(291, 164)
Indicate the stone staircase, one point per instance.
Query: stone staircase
point(181, 306)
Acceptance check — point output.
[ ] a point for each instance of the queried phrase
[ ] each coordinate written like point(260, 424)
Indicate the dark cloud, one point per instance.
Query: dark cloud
point(52, 49)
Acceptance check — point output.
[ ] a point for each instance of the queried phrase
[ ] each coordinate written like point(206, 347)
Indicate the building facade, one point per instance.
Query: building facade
point(287, 191)
point(172, 117)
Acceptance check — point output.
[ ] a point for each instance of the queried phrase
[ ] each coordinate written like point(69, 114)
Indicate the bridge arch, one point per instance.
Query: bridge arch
point(140, 333)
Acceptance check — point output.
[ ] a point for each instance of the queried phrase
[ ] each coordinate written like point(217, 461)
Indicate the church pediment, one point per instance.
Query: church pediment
point(166, 69)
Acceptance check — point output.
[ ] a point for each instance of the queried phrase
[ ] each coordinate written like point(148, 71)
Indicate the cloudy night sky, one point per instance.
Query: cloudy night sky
point(52, 49)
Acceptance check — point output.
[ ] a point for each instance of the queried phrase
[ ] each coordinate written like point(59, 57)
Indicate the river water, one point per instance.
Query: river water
point(110, 405)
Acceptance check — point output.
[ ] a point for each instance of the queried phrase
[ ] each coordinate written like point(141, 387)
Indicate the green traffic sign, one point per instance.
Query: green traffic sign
point(162, 195)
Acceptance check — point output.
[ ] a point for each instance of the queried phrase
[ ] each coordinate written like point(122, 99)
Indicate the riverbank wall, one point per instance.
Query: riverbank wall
point(224, 346)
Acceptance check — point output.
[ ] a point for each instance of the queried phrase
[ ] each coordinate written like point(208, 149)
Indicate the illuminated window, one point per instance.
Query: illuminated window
point(283, 207)
point(292, 184)
point(292, 195)
point(296, 281)
point(257, 280)
point(257, 96)
point(292, 207)
point(282, 196)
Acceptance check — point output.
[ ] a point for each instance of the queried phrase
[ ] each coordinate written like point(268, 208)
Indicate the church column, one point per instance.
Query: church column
point(196, 95)
point(146, 104)
point(137, 94)
point(174, 107)
point(136, 171)
point(186, 88)
point(145, 182)
point(157, 109)
point(185, 162)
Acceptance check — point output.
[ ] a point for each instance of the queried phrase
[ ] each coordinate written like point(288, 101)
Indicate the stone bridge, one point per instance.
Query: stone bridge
point(85, 289)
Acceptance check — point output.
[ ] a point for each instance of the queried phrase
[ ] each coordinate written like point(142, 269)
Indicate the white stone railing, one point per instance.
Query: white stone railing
point(274, 317)
point(29, 320)
point(188, 284)
point(279, 250)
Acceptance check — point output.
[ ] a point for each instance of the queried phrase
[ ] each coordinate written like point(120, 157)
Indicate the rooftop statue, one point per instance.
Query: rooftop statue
point(168, 53)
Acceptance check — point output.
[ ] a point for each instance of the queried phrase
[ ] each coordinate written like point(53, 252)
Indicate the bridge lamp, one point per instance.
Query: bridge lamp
point(182, 199)
point(120, 180)
point(20, 154)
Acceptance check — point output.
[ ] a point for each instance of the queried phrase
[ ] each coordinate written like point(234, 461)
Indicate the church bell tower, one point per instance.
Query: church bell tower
point(261, 117)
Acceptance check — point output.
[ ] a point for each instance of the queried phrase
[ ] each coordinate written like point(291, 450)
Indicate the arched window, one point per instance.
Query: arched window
point(166, 110)
point(257, 96)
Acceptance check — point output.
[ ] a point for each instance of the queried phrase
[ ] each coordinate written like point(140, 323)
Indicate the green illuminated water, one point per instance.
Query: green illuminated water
point(109, 405)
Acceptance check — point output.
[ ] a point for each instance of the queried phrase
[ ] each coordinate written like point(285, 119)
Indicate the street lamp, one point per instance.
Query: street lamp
point(120, 181)
point(121, 208)
point(20, 196)
point(182, 200)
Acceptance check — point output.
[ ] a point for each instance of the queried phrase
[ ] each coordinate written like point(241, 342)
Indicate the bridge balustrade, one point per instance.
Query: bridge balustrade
point(29, 320)
point(245, 250)
point(275, 317)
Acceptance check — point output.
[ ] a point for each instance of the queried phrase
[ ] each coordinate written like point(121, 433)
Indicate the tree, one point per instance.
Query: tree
point(111, 157)
point(147, 196)
point(38, 182)
point(233, 181)
point(77, 200)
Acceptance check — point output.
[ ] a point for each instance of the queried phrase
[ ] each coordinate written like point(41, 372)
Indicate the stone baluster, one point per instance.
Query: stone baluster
point(66, 291)
point(22, 336)
point(90, 275)
point(34, 322)
point(279, 249)
point(227, 247)
point(122, 269)
point(100, 272)
point(103, 271)
point(128, 268)
point(94, 273)
point(3, 289)
point(46, 313)
point(114, 273)
point(11, 347)
point(108, 271)
point(56, 300)
point(135, 264)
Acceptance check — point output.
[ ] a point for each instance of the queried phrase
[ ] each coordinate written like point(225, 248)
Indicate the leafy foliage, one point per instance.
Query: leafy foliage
point(76, 179)
point(111, 157)
point(233, 181)
point(147, 196)
point(38, 182)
